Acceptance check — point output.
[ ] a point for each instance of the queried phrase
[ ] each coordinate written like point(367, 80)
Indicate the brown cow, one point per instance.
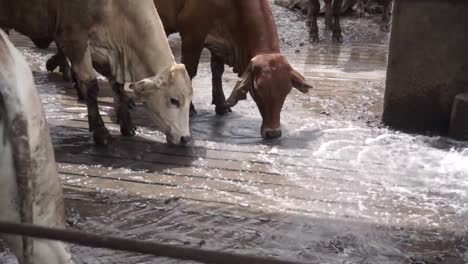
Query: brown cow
point(243, 35)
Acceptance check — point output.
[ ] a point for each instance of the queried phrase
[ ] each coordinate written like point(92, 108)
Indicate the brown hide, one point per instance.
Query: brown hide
point(243, 34)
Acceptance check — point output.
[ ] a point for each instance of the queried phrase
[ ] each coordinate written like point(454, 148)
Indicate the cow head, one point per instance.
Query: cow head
point(167, 98)
point(269, 78)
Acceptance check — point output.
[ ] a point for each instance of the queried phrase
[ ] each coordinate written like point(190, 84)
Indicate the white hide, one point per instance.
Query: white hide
point(135, 49)
point(21, 102)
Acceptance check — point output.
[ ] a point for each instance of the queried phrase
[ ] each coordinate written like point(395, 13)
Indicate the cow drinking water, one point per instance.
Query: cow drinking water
point(243, 35)
point(124, 41)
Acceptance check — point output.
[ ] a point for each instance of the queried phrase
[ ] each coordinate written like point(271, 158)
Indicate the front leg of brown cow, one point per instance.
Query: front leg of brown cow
point(77, 50)
point(191, 52)
point(193, 34)
point(122, 103)
point(336, 27)
point(312, 15)
point(217, 70)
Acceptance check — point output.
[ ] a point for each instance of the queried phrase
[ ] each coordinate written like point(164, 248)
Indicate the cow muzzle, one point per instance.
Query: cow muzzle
point(271, 133)
point(177, 140)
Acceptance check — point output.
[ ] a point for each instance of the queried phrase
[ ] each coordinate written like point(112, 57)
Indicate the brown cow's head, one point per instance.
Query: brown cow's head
point(269, 78)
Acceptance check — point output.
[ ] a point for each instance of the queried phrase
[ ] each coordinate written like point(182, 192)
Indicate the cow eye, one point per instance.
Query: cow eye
point(175, 102)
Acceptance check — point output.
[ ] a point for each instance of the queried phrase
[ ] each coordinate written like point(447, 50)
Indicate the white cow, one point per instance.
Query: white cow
point(30, 190)
point(123, 40)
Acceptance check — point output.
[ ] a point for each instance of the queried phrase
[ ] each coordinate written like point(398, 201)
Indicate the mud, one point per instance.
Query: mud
point(336, 188)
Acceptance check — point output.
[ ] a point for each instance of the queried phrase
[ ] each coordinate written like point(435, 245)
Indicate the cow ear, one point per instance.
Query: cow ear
point(243, 86)
point(136, 87)
point(298, 81)
point(141, 88)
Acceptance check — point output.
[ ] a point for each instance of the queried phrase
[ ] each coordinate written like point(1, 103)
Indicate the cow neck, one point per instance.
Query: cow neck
point(254, 32)
point(146, 44)
point(152, 58)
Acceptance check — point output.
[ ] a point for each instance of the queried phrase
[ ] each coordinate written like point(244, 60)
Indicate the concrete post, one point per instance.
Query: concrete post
point(427, 65)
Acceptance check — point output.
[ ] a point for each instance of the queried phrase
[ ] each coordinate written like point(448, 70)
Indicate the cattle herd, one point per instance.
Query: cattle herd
point(126, 42)
point(333, 9)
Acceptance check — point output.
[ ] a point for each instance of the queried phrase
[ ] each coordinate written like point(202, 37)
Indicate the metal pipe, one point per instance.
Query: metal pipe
point(131, 245)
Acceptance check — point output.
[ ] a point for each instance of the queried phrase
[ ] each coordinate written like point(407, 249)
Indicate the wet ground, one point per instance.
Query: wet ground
point(337, 188)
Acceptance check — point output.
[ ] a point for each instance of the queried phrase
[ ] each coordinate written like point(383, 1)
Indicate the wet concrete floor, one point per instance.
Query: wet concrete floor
point(337, 188)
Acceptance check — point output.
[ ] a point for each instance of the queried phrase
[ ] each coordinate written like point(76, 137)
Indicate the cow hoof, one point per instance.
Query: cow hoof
point(101, 136)
point(221, 110)
point(314, 38)
point(385, 28)
point(128, 132)
point(338, 38)
point(124, 118)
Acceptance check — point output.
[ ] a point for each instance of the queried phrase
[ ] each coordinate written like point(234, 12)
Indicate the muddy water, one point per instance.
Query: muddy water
point(337, 188)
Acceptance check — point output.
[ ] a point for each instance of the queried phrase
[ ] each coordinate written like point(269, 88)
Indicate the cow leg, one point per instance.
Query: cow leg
point(191, 52)
point(336, 27)
point(312, 15)
point(192, 47)
point(386, 9)
point(360, 9)
point(328, 15)
point(76, 85)
point(122, 111)
point(217, 70)
point(101, 135)
point(80, 93)
point(80, 57)
point(65, 68)
point(60, 60)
